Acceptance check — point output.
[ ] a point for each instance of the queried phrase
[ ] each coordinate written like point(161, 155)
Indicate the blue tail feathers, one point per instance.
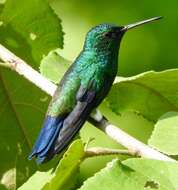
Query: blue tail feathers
point(46, 139)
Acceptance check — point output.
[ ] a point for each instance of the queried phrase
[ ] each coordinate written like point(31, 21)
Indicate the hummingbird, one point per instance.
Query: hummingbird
point(82, 88)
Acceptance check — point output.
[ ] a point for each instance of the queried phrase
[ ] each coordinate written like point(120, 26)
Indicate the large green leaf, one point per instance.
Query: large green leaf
point(150, 94)
point(22, 110)
point(114, 176)
point(65, 174)
point(30, 29)
point(160, 174)
point(134, 174)
point(67, 171)
point(165, 134)
point(38, 180)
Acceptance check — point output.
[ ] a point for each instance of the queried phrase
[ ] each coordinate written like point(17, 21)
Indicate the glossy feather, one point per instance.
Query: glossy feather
point(46, 138)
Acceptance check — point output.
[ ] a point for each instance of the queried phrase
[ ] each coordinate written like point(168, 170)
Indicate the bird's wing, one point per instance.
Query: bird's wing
point(58, 131)
point(86, 98)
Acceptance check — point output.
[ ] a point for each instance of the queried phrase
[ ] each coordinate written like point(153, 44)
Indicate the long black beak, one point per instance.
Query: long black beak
point(130, 26)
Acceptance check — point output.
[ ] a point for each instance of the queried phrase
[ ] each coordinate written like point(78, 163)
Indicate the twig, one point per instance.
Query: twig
point(133, 145)
point(99, 151)
point(18, 65)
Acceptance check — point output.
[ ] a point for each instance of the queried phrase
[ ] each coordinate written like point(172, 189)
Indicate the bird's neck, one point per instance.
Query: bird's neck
point(109, 54)
point(106, 51)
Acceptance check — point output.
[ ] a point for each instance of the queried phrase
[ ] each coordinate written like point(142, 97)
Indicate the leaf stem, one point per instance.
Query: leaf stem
point(134, 146)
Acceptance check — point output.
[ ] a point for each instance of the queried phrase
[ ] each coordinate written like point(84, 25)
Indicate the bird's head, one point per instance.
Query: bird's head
point(103, 35)
point(109, 35)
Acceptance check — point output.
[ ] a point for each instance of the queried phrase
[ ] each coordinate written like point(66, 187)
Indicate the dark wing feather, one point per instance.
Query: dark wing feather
point(85, 103)
point(46, 138)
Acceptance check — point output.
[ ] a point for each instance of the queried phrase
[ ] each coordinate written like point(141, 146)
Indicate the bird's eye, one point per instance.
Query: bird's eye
point(108, 34)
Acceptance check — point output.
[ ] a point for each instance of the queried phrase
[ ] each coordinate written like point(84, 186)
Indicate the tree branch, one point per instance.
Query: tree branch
point(99, 151)
point(134, 146)
point(15, 63)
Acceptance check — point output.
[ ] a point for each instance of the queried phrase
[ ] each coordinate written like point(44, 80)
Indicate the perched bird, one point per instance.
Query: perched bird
point(85, 84)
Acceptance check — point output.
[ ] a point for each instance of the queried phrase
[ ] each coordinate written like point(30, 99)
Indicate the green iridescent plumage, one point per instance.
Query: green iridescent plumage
point(83, 87)
point(97, 63)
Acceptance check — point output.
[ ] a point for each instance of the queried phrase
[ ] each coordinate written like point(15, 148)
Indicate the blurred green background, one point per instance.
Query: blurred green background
point(149, 47)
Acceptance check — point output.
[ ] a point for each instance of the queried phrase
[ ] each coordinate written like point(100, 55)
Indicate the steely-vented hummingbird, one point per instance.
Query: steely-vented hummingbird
point(82, 88)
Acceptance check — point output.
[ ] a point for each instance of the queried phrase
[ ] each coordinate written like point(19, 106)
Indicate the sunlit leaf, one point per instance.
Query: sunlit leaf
point(65, 175)
point(150, 94)
point(67, 171)
point(165, 134)
point(30, 29)
point(114, 176)
point(53, 66)
point(160, 174)
point(134, 174)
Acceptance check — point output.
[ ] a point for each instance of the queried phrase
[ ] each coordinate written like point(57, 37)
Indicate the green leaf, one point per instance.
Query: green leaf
point(37, 181)
point(30, 29)
point(114, 176)
point(160, 174)
point(23, 108)
point(134, 174)
point(53, 66)
point(150, 94)
point(67, 170)
point(65, 174)
point(165, 134)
